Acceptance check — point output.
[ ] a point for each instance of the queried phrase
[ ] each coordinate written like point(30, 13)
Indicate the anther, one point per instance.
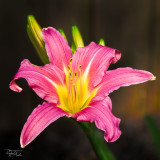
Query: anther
point(75, 74)
point(70, 59)
point(69, 67)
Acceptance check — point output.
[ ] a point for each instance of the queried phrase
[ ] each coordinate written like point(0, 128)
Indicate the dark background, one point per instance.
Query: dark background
point(131, 26)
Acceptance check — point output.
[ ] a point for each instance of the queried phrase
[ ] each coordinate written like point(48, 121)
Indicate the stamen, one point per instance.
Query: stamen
point(68, 89)
point(70, 75)
point(71, 94)
point(75, 89)
point(80, 83)
point(69, 68)
point(75, 95)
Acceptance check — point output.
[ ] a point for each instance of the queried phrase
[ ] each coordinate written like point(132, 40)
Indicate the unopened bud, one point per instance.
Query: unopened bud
point(77, 38)
point(35, 34)
point(102, 42)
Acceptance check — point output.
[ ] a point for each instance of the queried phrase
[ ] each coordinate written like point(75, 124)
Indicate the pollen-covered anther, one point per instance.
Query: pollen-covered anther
point(70, 60)
point(69, 68)
point(70, 74)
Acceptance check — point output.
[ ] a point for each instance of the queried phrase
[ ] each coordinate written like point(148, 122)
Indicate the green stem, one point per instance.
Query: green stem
point(155, 132)
point(98, 144)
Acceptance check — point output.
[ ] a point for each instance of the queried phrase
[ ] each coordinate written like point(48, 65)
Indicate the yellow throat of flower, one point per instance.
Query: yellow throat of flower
point(75, 95)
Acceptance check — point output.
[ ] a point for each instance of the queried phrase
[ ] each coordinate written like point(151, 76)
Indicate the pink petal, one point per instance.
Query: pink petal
point(39, 119)
point(121, 77)
point(40, 79)
point(57, 48)
point(95, 59)
point(100, 113)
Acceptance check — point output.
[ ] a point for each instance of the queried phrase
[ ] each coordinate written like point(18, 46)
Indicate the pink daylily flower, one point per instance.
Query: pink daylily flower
point(75, 86)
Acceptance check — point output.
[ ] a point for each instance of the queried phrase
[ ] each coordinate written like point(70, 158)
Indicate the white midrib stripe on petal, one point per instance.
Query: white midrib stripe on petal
point(88, 68)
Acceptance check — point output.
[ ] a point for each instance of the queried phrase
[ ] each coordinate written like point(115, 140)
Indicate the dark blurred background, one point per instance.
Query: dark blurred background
point(131, 26)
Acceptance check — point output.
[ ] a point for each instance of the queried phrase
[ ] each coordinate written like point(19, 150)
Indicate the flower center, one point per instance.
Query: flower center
point(75, 95)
